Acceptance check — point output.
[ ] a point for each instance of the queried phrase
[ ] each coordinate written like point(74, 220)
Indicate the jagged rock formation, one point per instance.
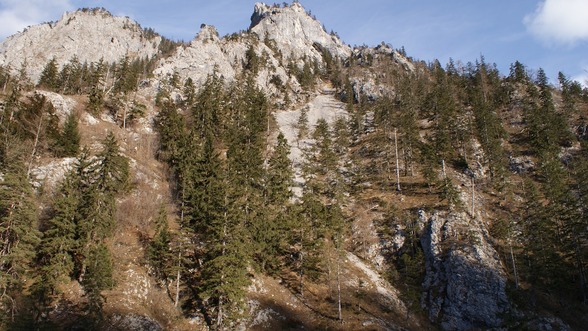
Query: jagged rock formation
point(89, 35)
point(277, 35)
point(295, 32)
point(465, 282)
point(208, 54)
point(465, 285)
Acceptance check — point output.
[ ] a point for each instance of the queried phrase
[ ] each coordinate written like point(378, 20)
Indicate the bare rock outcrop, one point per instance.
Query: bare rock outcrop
point(276, 36)
point(295, 32)
point(465, 285)
point(89, 35)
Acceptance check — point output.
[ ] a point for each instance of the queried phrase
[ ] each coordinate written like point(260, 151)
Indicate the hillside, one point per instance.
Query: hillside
point(277, 179)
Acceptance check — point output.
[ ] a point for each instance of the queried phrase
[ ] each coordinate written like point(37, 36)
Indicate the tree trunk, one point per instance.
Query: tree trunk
point(514, 266)
point(443, 169)
point(219, 317)
point(177, 300)
point(397, 162)
point(35, 145)
point(340, 313)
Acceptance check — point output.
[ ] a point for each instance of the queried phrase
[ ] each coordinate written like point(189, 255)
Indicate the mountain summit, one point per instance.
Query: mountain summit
point(87, 34)
point(295, 31)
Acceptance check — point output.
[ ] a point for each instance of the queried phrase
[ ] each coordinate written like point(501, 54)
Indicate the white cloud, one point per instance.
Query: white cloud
point(559, 21)
point(16, 15)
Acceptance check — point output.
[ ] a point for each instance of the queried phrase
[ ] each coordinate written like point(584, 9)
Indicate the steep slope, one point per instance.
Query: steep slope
point(323, 106)
point(277, 36)
point(408, 259)
point(89, 35)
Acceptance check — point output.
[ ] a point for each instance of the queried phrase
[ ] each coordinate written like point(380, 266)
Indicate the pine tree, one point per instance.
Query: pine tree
point(58, 242)
point(485, 97)
point(68, 142)
point(37, 122)
point(18, 235)
point(204, 197)
point(324, 157)
point(189, 92)
point(269, 234)
point(302, 125)
point(98, 278)
point(159, 252)
point(49, 76)
point(112, 177)
point(279, 174)
point(208, 107)
point(171, 127)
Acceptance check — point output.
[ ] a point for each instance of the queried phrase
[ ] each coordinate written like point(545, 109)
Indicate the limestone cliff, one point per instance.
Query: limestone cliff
point(89, 35)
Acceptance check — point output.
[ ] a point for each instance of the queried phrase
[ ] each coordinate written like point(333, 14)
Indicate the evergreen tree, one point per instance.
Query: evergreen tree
point(269, 234)
point(171, 127)
point(49, 76)
point(98, 278)
point(189, 92)
point(279, 174)
point(18, 235)
point(208, 107)
point(489, 129)
point(302, 125)
point(205, 192)
point(58, 242)
point(96, 83)
point(112, 176)
point(159, 252)
point(68, 142)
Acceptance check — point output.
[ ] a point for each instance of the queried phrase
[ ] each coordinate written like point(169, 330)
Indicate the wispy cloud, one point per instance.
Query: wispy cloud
point(16, 15)
point(559, 22)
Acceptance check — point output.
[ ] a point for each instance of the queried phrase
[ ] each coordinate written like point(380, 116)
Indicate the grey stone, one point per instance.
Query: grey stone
point(88, 35)
point(465, 285)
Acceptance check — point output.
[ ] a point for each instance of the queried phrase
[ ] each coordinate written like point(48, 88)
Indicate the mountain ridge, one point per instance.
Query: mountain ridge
point(397, 151)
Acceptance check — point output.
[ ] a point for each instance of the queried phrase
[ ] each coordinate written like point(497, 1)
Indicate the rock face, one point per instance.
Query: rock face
point(464, 286)
point(63, 105)
point(295, 32)
point(90, 35)
point(133, 322)
point(276, 36)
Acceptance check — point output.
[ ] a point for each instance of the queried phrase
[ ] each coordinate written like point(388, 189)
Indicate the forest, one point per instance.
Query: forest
point(509, 150)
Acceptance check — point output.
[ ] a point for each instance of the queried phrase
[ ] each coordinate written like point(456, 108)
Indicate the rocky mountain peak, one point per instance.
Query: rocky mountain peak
point(88, 34)
point(207, 33)
point(295, 32)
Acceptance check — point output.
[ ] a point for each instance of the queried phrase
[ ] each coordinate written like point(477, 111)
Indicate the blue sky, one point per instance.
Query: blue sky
point(552, 34)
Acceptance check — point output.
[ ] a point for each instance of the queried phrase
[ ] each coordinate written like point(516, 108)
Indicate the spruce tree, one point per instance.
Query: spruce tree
point(59, 242)
point(98, 277)
point(159, 252)
point(68, 141)
point(269, 234)
point(19, 235)
point(208, 107)
point(112, 178)
point(50, 75)
point(279, 174)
